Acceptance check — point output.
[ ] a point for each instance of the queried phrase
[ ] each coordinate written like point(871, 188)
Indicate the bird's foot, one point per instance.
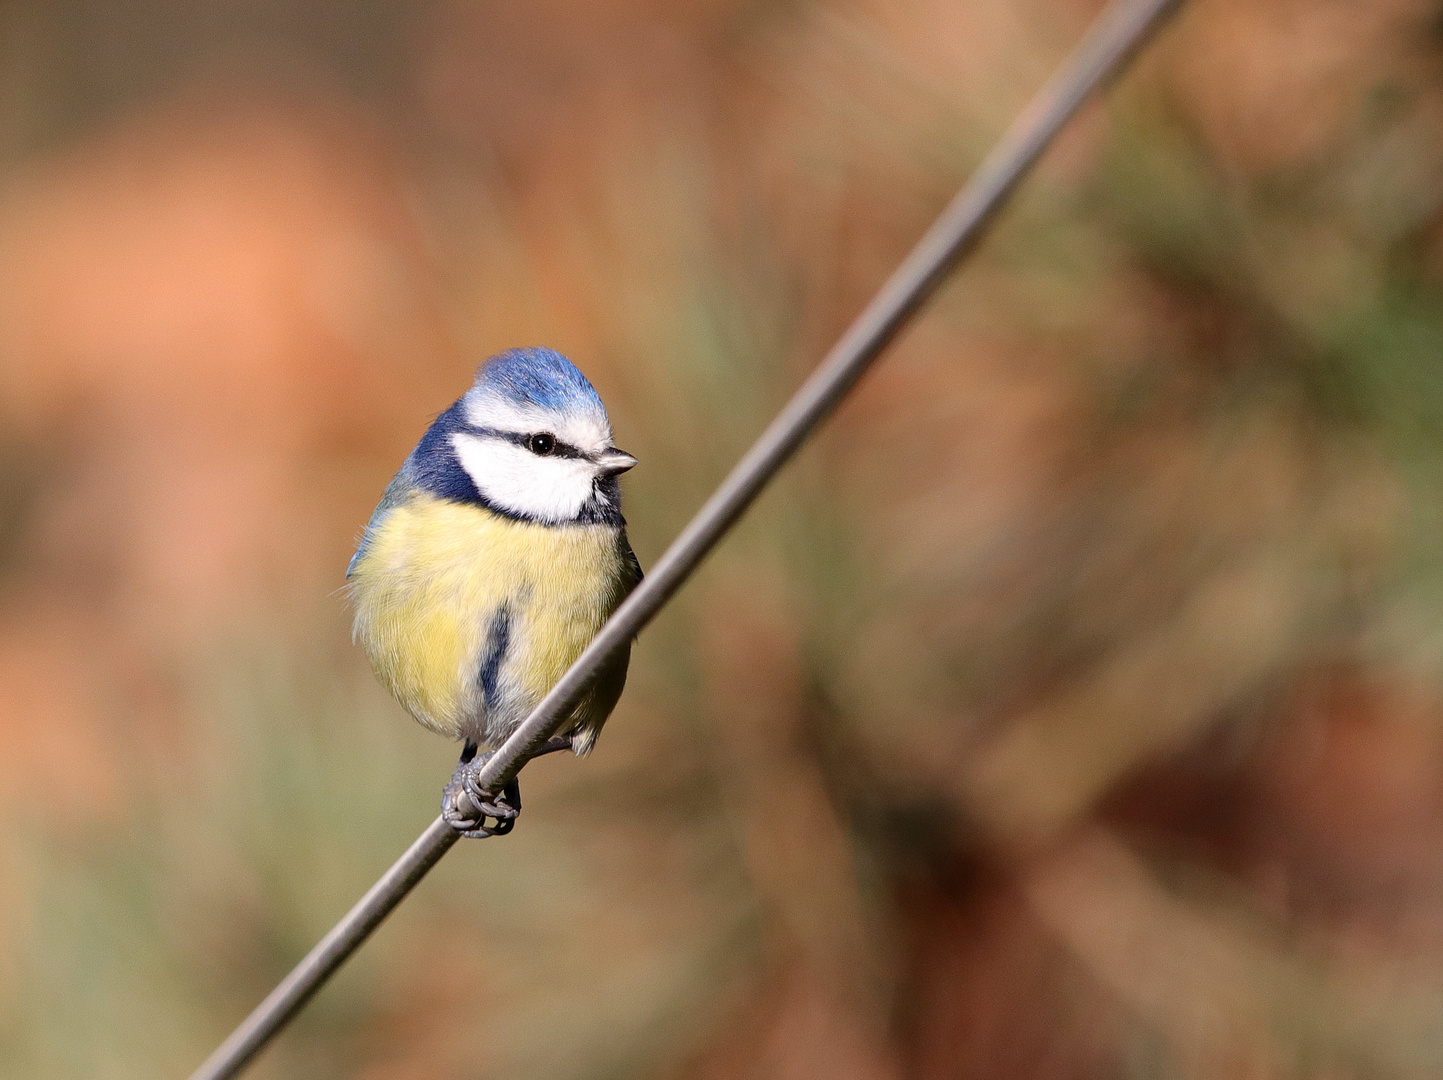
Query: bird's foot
point(555, 743)
point(469, 810)
point(475, 813)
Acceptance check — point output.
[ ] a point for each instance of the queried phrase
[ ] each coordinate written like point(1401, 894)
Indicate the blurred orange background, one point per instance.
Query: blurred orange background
point(1072, 709)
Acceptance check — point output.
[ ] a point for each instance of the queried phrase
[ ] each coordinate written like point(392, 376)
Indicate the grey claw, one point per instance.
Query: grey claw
point(468, 809)
point(457, 807)
point(553, 744)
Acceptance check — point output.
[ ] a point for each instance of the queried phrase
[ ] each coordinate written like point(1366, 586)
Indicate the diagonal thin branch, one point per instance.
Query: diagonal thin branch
point(1111, 40)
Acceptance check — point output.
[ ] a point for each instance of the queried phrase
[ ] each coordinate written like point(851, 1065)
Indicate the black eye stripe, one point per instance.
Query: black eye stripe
point(522, 439)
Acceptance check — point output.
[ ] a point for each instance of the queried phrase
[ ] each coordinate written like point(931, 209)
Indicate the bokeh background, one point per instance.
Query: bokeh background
point(1072, 709)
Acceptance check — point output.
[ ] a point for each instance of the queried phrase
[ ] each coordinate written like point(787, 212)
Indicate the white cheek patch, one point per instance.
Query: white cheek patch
point(549, 489)
point(587, 431)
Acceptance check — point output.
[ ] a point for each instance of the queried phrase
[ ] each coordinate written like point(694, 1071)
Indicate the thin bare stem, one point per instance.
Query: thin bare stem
point(1111, 40)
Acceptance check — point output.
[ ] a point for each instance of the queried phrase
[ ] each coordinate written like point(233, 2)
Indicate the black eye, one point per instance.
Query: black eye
point(542, 444)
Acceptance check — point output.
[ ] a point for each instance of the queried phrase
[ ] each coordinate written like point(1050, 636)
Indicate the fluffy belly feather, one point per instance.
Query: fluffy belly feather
point(469, 618)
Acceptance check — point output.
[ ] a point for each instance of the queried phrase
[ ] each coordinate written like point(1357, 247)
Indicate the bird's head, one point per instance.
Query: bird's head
point(530, 439)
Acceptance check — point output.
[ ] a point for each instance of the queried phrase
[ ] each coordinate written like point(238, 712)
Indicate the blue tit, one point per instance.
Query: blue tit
point(495, 555)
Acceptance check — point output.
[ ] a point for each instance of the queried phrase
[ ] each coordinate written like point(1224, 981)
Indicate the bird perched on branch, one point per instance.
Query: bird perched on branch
point(494, 557)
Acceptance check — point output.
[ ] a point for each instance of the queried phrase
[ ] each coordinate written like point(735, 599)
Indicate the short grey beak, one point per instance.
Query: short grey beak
point(615, 461)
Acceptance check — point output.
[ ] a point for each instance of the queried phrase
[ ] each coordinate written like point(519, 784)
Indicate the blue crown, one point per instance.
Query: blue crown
point(539, 378)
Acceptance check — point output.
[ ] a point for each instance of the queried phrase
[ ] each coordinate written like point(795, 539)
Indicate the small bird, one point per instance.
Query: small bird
point(495, 555)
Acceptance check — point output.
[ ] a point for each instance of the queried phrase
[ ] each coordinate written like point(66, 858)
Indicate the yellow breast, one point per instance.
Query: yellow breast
point(427, 591)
